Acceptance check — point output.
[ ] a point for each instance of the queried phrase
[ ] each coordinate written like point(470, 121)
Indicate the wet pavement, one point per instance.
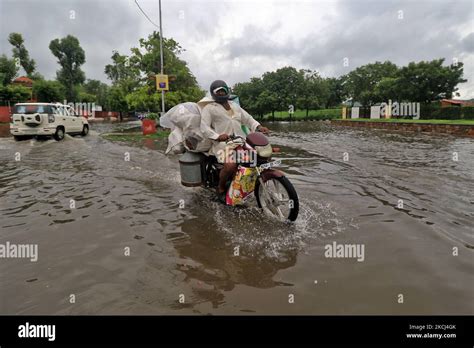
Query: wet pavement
point(129, 246)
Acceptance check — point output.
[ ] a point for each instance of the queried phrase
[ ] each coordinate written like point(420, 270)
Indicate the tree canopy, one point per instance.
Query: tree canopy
point(8, 70)
point(70, 57)
point(368, 84)
point(21, 53)
point(133, 76)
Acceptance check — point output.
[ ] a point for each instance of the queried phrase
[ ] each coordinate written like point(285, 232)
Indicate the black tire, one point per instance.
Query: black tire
point(292, 195)
point(85, 130)
point(59, 134)
point(19, 137)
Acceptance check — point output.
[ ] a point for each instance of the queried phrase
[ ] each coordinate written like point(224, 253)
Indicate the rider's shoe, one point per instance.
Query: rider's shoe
point(221, 197)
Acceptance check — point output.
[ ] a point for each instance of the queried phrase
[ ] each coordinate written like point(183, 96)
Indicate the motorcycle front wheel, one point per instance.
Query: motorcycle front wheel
point(278, 198)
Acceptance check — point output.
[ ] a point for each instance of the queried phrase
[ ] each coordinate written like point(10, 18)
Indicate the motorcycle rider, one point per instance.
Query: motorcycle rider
point(219, 119)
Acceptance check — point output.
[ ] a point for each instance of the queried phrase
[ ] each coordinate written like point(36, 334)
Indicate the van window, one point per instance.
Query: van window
point(70, 111)
point(58, 111)
point(32, 109)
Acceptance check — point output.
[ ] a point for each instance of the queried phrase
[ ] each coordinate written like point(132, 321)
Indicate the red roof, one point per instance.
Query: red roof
point(457, 102)
point(23, 80)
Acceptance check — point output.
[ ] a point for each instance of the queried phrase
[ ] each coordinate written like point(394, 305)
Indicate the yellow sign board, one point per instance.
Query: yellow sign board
point(162, 82)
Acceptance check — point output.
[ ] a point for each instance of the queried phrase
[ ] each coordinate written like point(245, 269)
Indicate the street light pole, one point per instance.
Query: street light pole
point(161, 63)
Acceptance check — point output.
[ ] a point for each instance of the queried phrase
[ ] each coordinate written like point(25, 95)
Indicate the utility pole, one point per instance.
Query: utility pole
point(161, 63)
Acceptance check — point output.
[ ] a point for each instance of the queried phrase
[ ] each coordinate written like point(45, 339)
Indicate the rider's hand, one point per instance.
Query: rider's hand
point(263, 129)
point(223, 137)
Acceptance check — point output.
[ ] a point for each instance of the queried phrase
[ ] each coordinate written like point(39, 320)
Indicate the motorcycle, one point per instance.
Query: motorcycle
point(256, 176)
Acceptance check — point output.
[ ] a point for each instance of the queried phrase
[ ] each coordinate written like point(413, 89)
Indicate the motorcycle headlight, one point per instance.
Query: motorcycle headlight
point(264, 151)
point(51, 118)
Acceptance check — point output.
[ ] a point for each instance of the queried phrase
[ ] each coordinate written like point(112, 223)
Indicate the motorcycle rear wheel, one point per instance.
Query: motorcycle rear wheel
point(282, 200)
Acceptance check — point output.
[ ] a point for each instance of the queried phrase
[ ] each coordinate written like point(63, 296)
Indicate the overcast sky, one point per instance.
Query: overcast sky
point(237, 40)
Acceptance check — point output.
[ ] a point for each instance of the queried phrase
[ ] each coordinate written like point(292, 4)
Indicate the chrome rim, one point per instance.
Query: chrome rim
point(274, 199)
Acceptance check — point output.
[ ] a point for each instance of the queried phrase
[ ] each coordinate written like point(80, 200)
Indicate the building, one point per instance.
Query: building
point(454, 102)
point(23, 81)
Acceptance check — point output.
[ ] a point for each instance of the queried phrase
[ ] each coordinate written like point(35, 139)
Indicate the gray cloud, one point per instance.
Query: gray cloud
point(100, 27)
point(468, 43)
point(256, 41)
point(262, 37)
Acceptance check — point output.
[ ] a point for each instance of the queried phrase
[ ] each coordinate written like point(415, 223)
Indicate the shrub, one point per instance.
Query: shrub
point(453, 113)
point(468, 112)
point(152, 116)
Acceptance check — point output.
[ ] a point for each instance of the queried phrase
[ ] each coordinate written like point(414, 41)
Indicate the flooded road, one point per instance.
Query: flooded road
point(129, 246)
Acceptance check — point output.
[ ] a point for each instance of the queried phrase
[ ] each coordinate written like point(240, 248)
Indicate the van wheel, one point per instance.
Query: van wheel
point(19, 137)
point(85, 130)
point(59, 135)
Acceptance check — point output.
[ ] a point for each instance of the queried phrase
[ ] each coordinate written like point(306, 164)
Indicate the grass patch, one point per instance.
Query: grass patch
point(160, 134)
point(300, 115)
point(393, 120)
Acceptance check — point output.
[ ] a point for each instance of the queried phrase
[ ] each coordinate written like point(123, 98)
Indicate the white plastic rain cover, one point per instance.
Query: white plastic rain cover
point(184, 120)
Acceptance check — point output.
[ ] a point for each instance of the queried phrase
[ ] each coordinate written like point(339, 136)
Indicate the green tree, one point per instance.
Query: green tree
point(142, 100)
point(313, 91)
point(122, 73)
point(8, 70)
point(360, 83)
point(14, 94)
point(48, 91)
point(336, 92)
point(251, 98)
point(21, 53)
point(429, 81)
point(98, 89)
point(84, 97)
point(133, 77)
point(182, 85)
point(117, 99)
point(70, 57)
point(36, 76)
point(282, 87)
point(147, 58)
point(388, 88)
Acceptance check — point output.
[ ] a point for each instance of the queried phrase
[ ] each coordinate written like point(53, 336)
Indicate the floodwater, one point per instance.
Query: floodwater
point(418, 252)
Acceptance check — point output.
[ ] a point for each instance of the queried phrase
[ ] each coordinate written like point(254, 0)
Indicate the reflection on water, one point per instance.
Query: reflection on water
point(401, 195)
point(4, 130)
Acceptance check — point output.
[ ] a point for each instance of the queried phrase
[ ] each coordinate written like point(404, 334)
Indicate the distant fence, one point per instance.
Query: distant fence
point(427, 112)
point(106, 114)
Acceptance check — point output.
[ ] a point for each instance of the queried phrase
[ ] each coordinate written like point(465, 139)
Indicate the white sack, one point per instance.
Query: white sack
point(185, 122)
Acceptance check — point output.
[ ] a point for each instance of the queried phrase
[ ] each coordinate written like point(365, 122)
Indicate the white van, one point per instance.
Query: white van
point(46, 119)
